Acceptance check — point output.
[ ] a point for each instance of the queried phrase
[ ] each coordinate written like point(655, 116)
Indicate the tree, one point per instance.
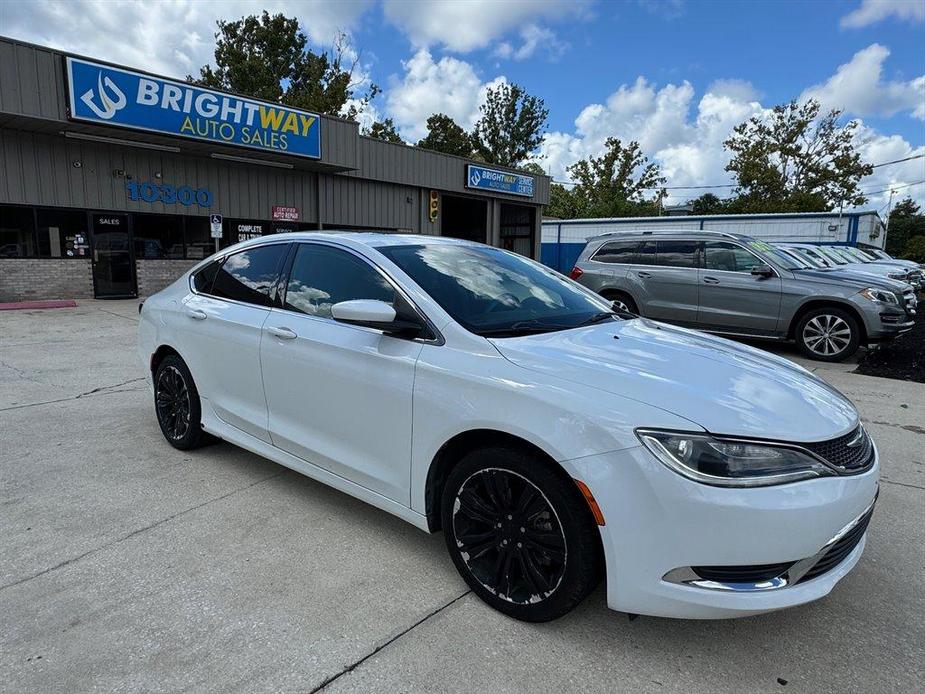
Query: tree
point(267, 58)
point(447, 136)
point(511, 125)
point(708, 204)
point(796, 161)
point(615, 184)
point(914, 249)
point(906, 223)
point(384, 130)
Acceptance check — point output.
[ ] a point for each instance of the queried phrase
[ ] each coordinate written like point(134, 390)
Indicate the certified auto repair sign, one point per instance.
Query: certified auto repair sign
point(122, 98)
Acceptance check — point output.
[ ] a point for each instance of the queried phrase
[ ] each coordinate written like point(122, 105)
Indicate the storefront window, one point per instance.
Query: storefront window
point(16, 237)
point(62, 234)
point(158, 236)
point(199, 241)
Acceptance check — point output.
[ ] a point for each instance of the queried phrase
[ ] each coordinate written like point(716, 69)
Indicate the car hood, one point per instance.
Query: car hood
point(854, 278)
point(725, 387)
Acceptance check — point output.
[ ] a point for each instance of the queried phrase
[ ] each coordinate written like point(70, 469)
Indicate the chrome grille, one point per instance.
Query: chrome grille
point(852, 452)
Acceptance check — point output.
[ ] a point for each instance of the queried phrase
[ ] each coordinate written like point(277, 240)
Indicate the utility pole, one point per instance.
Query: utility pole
point(889, 209)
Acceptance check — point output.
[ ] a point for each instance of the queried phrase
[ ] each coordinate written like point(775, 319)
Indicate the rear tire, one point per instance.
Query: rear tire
point(176, 404)
point(520, 534)
point(622, 301)
point(828, 334)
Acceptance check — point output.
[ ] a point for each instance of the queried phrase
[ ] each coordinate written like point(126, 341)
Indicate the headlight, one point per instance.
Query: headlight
point(730, 463)
point(881, 296)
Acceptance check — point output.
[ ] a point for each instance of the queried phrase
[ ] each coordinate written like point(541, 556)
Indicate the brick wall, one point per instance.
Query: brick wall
point(154, 275)
point(28, 279)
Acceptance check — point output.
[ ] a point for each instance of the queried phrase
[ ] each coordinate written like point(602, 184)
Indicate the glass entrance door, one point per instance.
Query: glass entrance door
point(113, 262)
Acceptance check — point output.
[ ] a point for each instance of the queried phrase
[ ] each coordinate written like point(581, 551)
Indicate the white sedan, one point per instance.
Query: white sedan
point(552, 439)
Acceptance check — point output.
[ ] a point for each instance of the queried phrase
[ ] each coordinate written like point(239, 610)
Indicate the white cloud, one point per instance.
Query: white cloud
point(465, 26)
point(449, 86)
point(858, 87)
point(873, 11)
point(173, 38)
point(878, 148)
point(690, 152)
point(533, 37)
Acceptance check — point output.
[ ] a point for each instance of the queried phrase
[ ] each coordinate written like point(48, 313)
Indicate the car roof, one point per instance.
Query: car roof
point(668, 233)
point(373, 239)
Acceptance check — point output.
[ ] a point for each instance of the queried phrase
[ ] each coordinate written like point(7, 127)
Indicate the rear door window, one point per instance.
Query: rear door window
point(677, 253)
point(728, 257)
point(202, 280)
point(621, 252)
point(250, 276)
point(646, 254)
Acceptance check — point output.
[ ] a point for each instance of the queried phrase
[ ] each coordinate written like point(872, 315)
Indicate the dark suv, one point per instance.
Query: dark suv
point(737, 285)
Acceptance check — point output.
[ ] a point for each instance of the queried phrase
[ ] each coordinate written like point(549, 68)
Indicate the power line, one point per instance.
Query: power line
point(733, 185)
point(886, 190)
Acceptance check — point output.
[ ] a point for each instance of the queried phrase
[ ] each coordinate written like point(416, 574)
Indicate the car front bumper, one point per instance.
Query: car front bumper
point(658, 523)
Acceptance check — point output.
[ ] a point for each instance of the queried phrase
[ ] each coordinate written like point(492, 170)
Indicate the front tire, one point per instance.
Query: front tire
point(176, 404)
point(520, 534)
point(622, 301)
point(828, 334)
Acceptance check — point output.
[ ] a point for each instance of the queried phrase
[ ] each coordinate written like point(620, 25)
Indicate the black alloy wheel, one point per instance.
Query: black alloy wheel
point(509, 536)
point(520, 533)
point(173, 404)
point(176, 403)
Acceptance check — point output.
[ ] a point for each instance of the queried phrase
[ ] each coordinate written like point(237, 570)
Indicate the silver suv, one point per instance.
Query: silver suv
point(737, 285)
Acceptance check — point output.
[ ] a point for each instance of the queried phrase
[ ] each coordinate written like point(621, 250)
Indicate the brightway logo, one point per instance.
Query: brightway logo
point(111, 104)
point(474, 178)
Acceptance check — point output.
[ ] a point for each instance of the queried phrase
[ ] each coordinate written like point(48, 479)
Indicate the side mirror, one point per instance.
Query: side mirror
point(372, 313)
point(763, 271)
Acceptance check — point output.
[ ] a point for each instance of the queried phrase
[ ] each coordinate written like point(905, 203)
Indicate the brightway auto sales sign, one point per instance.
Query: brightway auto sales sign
point(108, 95)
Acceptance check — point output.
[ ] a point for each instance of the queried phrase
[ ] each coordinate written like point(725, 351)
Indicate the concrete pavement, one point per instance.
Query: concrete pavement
point(128, 566)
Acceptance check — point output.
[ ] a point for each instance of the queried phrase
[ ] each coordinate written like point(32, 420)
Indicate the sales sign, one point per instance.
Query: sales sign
point(499, 181)
point(122, 98)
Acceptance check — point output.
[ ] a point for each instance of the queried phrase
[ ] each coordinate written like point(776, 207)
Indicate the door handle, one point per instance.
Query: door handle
point(196, 314)
point(283, 333)
point(644, 274)
point(711, 280)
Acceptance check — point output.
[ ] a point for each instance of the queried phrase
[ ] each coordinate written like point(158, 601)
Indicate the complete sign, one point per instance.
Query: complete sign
point(111, 96)
point(499, 181)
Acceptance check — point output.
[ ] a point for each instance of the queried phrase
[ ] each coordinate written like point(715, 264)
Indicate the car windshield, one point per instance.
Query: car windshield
point(877, 253)
point(774, 255)
point(495, 293)
point(802, 262)
point(831, 255)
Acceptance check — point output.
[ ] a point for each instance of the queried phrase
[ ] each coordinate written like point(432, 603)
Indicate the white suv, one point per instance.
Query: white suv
point(472, 390)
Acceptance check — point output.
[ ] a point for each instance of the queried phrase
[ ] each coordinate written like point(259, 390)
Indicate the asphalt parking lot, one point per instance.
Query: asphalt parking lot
point(126, 565)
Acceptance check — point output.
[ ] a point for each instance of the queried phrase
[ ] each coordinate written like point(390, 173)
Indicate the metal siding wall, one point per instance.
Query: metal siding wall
point(38, 169)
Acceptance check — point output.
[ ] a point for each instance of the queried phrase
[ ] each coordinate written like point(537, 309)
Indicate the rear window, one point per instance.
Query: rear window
point(250, 275)
point(623, 252)
point(677, 253)
point(202, 280)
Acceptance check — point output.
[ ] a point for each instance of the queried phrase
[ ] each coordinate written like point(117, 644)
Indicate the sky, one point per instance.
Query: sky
point(675, 75)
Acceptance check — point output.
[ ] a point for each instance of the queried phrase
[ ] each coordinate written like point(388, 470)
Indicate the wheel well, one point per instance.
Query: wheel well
point(159, 354)
point(455, 449)
point(826, 303)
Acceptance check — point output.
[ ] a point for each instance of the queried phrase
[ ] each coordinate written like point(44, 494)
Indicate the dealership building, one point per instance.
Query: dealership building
point(114, 181)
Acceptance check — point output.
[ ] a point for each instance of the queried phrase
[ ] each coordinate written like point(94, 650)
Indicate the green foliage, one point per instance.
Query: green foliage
point(914, 249)
point(906, 224)
point(384, 130)
point(447, 136)
point(266, 57)
point(510, 127)
point(709, 204)
point(796, 161)
point(615, 184)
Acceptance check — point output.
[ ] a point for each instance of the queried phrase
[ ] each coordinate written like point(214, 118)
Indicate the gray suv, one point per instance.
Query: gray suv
point(737, 285)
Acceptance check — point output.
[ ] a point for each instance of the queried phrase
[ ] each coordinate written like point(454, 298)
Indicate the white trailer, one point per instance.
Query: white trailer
point(563, 240)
